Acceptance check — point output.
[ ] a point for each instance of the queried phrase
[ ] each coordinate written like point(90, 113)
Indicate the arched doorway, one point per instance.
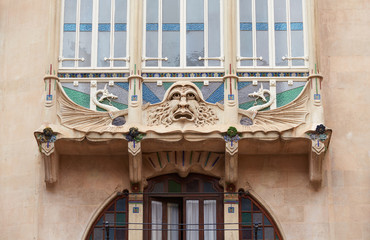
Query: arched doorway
point(178, 208)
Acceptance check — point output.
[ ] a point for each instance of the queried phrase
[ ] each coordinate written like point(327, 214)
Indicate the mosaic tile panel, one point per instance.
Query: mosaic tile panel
point(182, 75)
point(272, 74)
point(287, 96)
point(79, 98)
point(93, 75)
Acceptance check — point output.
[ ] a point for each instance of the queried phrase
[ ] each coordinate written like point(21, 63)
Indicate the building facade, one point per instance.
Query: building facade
point(184, 119)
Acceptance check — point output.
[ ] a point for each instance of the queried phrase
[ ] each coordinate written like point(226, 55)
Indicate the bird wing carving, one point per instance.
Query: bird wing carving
point(79, 118)
point(280, 119)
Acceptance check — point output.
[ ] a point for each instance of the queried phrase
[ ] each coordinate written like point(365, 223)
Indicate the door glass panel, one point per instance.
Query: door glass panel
point(210, 219)
point(192, 220)
point(156, 220)
point(173, 220)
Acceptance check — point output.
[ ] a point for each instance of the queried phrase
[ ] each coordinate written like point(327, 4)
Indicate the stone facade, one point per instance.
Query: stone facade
point(89, 174)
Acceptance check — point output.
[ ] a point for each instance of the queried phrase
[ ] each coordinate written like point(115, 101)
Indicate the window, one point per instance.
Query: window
point(181, 33)
point(94, 33)
point(255, 222)
point(271, 33)
point(184, 208)
point(112, 222)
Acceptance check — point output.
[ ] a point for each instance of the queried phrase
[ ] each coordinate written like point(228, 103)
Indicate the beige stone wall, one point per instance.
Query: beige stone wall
point(338, 210)
point(345, 64)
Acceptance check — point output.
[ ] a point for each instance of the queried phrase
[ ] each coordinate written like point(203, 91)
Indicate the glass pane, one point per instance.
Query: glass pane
point(192, 186)
point(246, 204)
point(104, 11)
point(266, 221)
point(86, 11)
point(100, 222)
point(246, 47)
point(111, 208)
point(70, 7)
point(247, 233)
point(261, 11)
point(158, 187)
point(103, 48)
point(257, 218)
point(297, 47)
point(121, 204)
point(171, 48)
point(194, 48)
point(263, 47)
point(210, 219)
point(174, 186)
point(173, 218)
point(152, 11)
point(192, 219)
point(121, 234)
point(120, 219)
point(110, 218)
point(245, 10)
point(269, 233)
point(69, 41)
point(98, 233)
point(296, 11)
point(156, 220)
point(214, 42)
point(119, 48)
point(208, 187)
point(120, 11)
point(151, 47)
point(171, 11)
point(85, 47)
point(260, 233)
point(256, 208)
point(280, 10)
point(194, 11)
point(281, 47)
point(246, 219)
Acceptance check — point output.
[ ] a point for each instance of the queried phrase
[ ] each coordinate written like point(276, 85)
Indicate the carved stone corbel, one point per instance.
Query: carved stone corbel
point(320, 142)
point(51, 160)
point(231, 158)
point(135, 159)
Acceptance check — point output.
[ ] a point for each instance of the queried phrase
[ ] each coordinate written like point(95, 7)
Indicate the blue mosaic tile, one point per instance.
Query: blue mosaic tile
point(243, 84)
point(245, 26)
point(149, 96)
point(159, 91)
point(296, 26)
point(85, 27)
point(171, 27)
point(217, 95)
point(104, 27)
point(152, 26)
point(69, 27)
point(194, 27)
point(123, 85)
point(280, 26)
point(120, 27)
point(260, 26)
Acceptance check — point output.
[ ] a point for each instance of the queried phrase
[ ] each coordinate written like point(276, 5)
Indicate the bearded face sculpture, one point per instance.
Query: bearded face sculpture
point(183, 102)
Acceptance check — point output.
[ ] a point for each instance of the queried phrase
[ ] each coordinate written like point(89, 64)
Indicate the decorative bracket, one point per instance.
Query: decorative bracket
point(231, 158)
point(135, 158)
point(320, 142)
point(46, 141)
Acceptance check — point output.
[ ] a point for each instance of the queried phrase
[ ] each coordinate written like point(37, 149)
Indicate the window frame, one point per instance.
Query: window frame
point(94, 37)
point(183, 37)
point(271, 39)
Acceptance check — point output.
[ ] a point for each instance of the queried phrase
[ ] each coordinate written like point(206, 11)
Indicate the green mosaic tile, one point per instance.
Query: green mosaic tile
point(120, 106)
point(199, 84)
point(167, 85)
point(287, 96)
point(79, 98)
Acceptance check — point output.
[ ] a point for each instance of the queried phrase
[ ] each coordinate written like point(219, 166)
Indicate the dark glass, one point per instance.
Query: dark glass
point(174, 186)
point(246, 204)
point(110, 218)
point(247, 233)
point(255, 208)
point(266, 221)
point(121, 205)
point(158, 187)
point(247, 219)
point(192, 186)
point(208, 187)
point(100, 222)
point(257, 218)
point(120, 219)
point(111, 208)
point(121, 234)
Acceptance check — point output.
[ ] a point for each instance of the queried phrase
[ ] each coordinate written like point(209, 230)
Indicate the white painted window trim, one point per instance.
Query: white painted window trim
point(94, 36)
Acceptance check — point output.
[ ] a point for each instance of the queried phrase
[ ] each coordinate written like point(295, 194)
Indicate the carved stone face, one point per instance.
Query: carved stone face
point(184, 102)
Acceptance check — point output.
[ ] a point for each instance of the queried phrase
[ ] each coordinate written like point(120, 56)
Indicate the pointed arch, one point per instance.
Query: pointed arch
point(114, 211)
point(256, 219)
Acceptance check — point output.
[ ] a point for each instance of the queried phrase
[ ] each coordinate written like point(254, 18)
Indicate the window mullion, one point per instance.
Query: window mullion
point(183, 33)
point(271, 33)
point(61, 33)
point(160, 25)
point(77, 44)
point(289, 35)
point(254, 33)
point(205, 24)
point(94, 40)
point(111, 50)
